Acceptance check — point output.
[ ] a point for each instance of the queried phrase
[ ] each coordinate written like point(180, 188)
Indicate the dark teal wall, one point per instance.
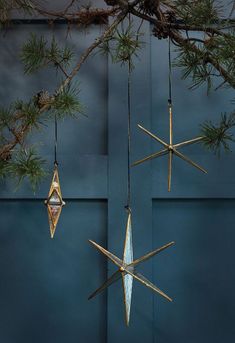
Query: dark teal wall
point(201, 277)
point(45, 283)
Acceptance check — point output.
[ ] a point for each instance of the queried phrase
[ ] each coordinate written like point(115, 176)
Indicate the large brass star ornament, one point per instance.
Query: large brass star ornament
point(170, 149)
point(54, 202)
point(127, 270)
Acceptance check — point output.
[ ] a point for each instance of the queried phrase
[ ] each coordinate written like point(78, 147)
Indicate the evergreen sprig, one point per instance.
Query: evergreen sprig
point(198, 12)
point(6, 6)
point(3, 169)
point(67, 103)
point(194, 64)
point(25, 164)
point(29, 112)
point(220, 135)
point(222, 49)
point(6, 117)
point(123, 45)
point(38, 53)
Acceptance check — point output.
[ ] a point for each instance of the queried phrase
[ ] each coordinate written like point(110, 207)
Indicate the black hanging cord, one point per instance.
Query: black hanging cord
point(56, 140)
point(170, 71)
point(128, 205)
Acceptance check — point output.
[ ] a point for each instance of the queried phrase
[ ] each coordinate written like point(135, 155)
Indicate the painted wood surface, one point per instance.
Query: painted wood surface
point(45, 283)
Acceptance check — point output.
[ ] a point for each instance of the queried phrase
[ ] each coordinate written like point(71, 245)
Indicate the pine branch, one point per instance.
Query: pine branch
point(67, 103)
point(218, 136)
point(197, 13)
point(38, 53)
point(123, 45)
point(23, 129)
point(6, 7)
point(25, 164)
point(201, 58)
point(92, 47)
point(84, 16)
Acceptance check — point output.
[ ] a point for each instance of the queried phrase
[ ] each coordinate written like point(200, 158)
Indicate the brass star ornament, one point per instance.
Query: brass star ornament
point(54, 202)
point(127, 270)
point(170, 149)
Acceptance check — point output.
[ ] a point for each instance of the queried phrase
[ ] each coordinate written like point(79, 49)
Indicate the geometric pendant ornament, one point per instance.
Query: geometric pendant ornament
point(170, 149)
point(127, 270)
point(54, 202)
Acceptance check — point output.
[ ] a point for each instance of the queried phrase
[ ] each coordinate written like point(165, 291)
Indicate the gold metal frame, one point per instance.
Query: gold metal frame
point(126, 270)
point(54, 189)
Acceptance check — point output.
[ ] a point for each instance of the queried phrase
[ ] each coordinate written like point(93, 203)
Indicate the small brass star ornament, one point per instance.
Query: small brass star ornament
point(170, 149)
point(127, 270)
point(54, 202)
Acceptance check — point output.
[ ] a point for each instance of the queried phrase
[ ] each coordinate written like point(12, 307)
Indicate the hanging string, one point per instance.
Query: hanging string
point(170, 88)
point(170, 70)
point(56, 140)
point(128, 205)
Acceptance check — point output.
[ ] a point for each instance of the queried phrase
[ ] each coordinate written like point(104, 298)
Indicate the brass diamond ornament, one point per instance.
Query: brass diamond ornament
point(54, 202)
point(127, 270)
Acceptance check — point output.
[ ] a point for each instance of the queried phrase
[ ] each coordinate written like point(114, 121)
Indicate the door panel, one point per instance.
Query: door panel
point(198, 272)
point(45, 283)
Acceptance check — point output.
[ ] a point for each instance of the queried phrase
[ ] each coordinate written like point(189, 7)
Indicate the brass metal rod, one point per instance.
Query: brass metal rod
point(150, 157)
point(170, 124)
point(153, 136)
point(170, 169)
point(189, 161)
point(115, 277)
point(151, 254)
point(190, 141)
point(148, 284)
point(111, 256)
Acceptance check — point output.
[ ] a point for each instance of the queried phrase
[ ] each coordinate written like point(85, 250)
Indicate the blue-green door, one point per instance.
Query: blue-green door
point(45, 283)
